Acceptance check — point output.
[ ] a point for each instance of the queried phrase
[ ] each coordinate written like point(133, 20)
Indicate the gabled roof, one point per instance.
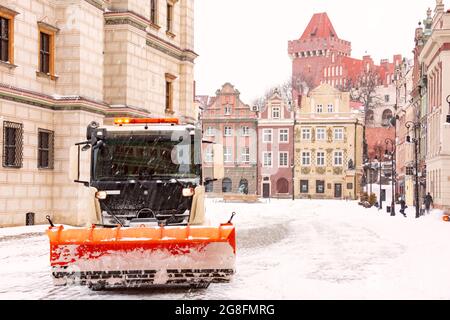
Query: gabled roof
point(320, 26)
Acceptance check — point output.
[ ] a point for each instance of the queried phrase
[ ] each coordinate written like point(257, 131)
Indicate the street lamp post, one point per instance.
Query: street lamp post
point(415, 125)
point(379, 149)
point(393, 171)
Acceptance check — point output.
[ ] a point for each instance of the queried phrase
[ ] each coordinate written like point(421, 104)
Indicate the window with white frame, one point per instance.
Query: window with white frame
point(276, 112)
point(209, 155)
point(267, 161)
point(228, 131)
point(338, 158)
point(227, 110)
point(306, 134)
point(246, 131)
point(306, 158)
point(321, 159)
point(284, 159)
point(227, 154)
point(267, 135)
point(284, 135)
point(319, 108)
point(246, 154)
point(338, 134)
point(320, 134)
point(330, 108)
point(210, 132)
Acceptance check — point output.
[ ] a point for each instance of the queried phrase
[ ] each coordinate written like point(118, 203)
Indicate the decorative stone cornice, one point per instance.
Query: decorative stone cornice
point(126, 18)
point(99, 4)
point(60, 103)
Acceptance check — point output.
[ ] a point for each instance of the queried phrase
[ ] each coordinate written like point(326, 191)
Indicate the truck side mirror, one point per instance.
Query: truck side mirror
point(74, 165)
point(219, 169)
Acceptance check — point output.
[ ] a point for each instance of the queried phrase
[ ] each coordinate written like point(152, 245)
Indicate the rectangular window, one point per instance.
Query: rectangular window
point(349, 186)
point(169, 97)
point(304, 186)
point(284, 159)
point(209, 155)
point(246, 131)
point(228, 131)
point(267, 159)
point(319, 108)
point(169, 17)
point(409, 171)
point(228, 110)
point(321, 159)
point(12, 144)
point(246, 154)
point(267, 135)
point(330, 108)
point(5, 39)
point(284, 135)
point(276, 113)
point(153, 11)
point(306, 158)
point(386, 98)
point(45, 149)
point(227, 154)
point(320, 187)
point(320, 134)
point(46, 52)
point(210, 132)
point(338, 158)
point(338, 134)
point(306, 134)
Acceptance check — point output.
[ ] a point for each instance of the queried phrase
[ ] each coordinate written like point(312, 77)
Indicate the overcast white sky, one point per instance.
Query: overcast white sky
point(245, 41)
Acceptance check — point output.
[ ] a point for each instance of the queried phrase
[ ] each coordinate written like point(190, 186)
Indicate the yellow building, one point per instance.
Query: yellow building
point(328, 146)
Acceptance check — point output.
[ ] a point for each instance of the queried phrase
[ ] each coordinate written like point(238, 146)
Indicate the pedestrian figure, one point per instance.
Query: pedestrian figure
point(403, 207)
point(428, 202)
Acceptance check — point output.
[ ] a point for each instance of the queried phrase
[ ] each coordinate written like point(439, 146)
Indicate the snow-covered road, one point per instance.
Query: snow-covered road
point(286, 250)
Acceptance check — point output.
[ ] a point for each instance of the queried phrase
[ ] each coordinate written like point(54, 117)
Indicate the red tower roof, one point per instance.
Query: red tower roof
point(320, 26)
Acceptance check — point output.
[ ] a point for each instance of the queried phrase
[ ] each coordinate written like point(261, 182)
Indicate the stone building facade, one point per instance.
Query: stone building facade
point(435, 58)
point(275, 148)
point(328, 146)
point(230, 122)
point(65, 63)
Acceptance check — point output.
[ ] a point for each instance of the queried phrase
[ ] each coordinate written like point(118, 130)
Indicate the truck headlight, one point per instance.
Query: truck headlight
point(101, 195)
point(188, 192)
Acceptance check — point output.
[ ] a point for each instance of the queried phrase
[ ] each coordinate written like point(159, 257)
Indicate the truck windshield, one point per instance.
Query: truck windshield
point(143, 157)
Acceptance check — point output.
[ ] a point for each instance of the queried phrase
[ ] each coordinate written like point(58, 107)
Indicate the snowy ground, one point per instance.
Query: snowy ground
point(286, 250)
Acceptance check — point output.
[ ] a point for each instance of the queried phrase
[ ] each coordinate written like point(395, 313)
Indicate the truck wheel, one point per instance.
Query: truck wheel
point(202, 285)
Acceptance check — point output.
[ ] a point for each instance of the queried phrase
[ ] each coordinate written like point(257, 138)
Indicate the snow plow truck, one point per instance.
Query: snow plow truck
point(147, 178)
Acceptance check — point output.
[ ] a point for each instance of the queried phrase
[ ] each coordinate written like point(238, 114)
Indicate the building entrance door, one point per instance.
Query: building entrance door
point(266, 190)
point(338, 190)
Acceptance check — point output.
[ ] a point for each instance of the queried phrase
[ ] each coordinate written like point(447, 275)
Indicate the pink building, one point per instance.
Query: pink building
point(228, 121)
point(275, 149)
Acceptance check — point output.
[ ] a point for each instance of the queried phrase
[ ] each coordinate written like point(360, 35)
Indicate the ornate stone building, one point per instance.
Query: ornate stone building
point(435, 60)
point(228, 121)
point(65, 63)
point(328, 146)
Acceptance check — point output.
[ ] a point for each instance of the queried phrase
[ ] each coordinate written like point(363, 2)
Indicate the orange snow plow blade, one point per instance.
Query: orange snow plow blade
point(136, 257)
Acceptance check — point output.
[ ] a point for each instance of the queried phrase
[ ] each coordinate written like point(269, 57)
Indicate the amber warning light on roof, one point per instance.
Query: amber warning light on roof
point(122, 121)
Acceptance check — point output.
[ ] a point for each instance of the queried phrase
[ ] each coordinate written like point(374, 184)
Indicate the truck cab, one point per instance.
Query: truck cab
point(146, 172)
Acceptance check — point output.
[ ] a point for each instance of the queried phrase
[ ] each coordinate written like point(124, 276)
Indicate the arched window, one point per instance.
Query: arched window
point(282, 186)
point(243, 186)
point(227, 185)
point(209, 186)
point(386, 118)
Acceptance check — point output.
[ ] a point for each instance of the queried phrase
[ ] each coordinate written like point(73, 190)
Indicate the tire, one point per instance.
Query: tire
point(202, 285)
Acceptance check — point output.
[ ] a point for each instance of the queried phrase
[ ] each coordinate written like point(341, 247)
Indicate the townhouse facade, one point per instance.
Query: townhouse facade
point(227, 121)
point(66, 63)
point(276, 148)
point(328, 146)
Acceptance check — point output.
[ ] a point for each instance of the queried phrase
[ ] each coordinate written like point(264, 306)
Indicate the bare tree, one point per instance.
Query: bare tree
point(364, 90)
